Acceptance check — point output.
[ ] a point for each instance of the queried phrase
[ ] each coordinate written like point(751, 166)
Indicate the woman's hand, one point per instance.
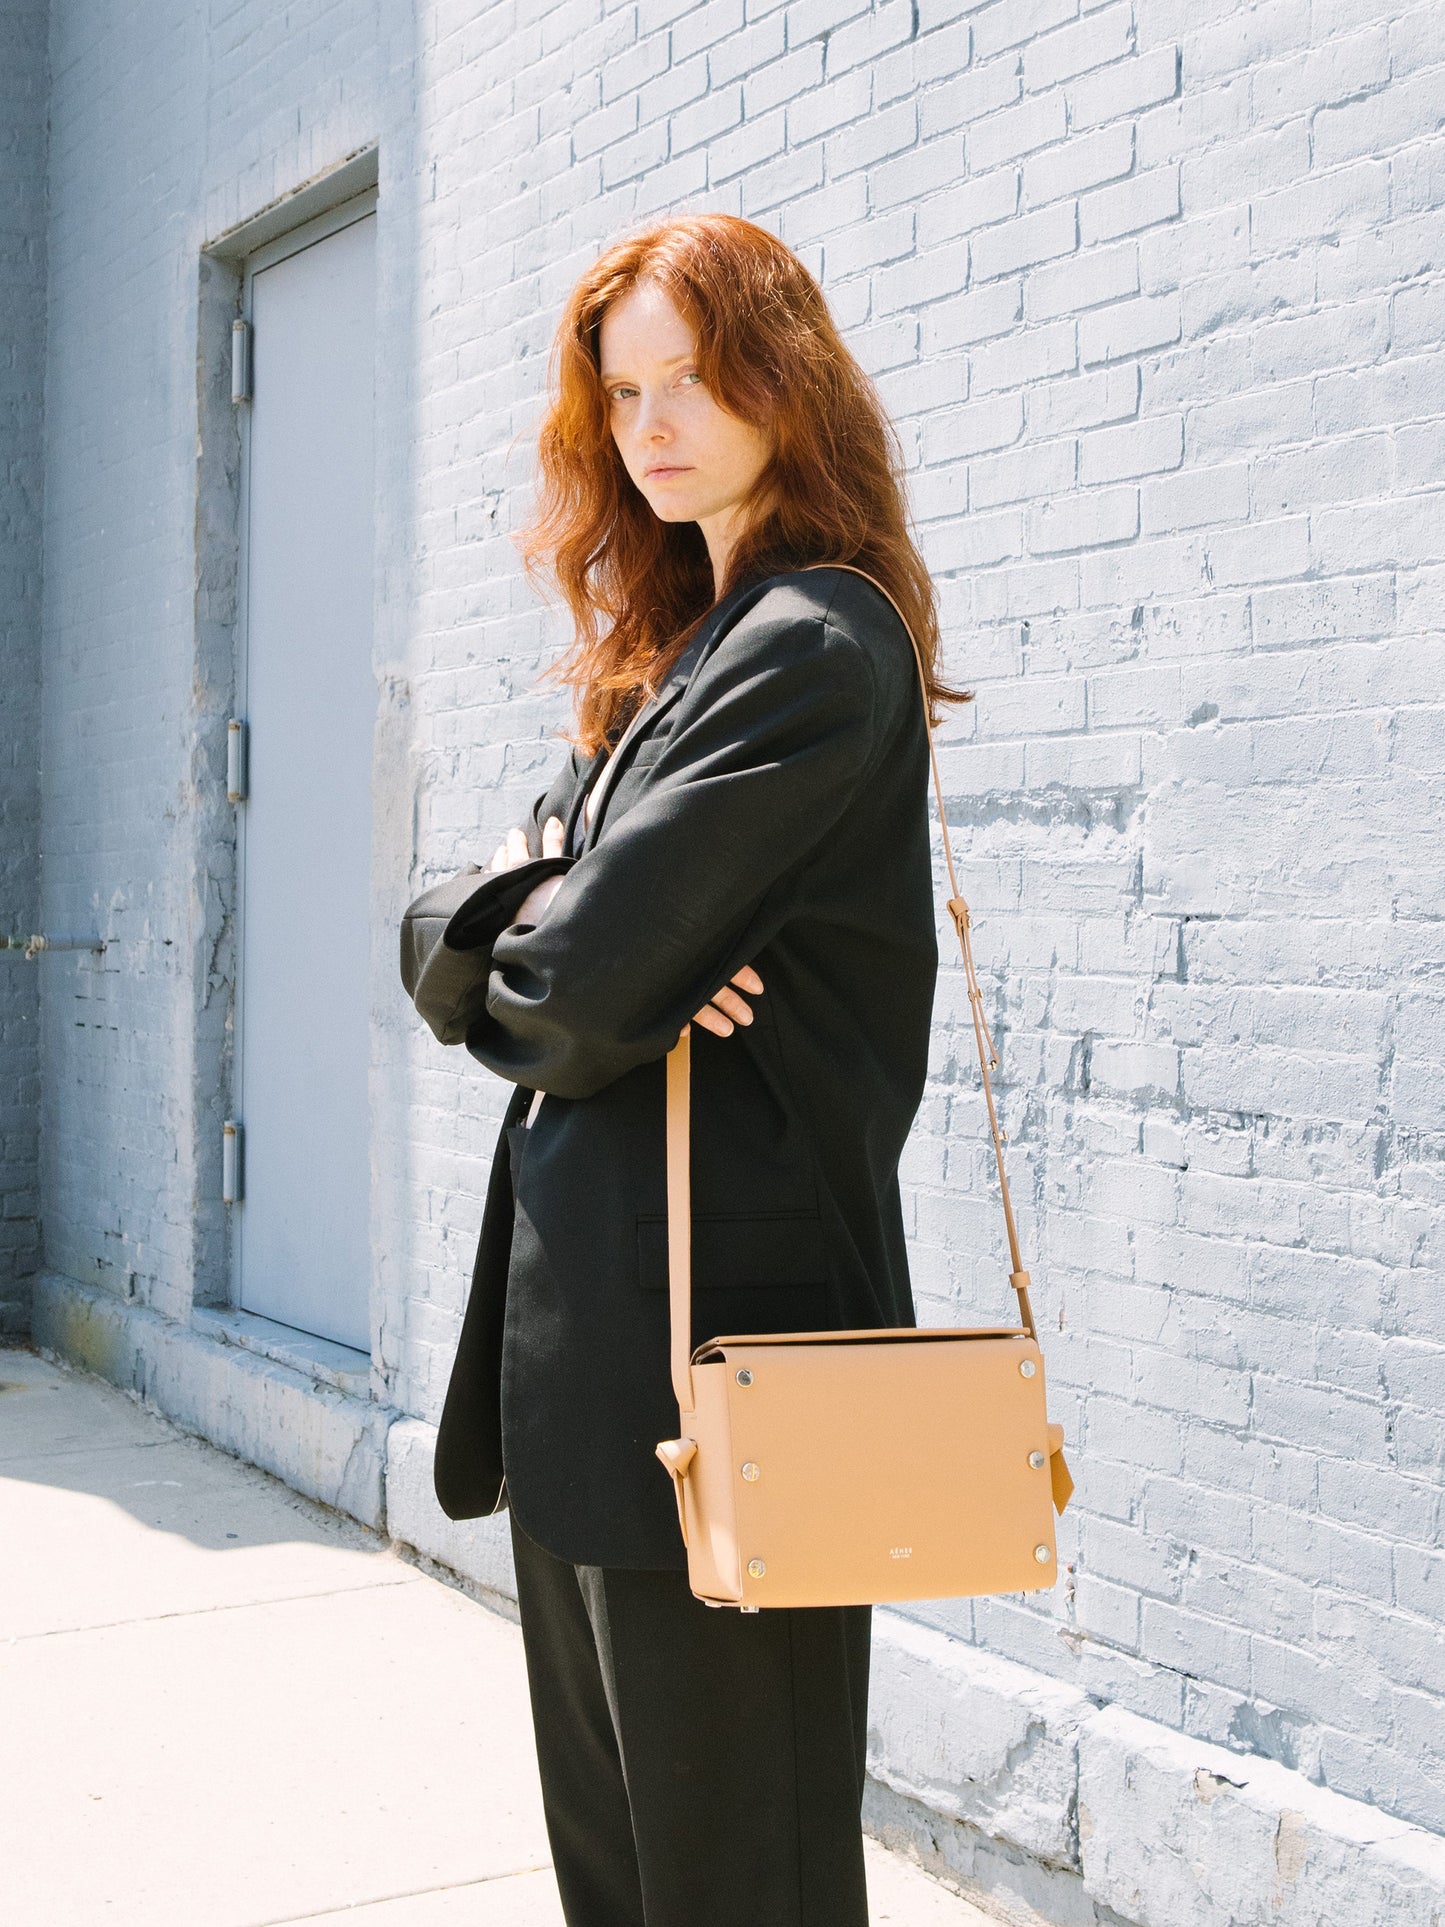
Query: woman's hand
point(726, 1007)
point(508, 855)
point(720, 1014)
point(514, 851)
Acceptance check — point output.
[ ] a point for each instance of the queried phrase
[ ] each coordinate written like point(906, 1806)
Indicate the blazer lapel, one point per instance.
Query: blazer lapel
point(589, 777)
point(645, 717)
point(676, 682)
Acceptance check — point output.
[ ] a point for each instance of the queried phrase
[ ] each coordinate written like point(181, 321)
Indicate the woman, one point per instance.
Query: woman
point(739, 842)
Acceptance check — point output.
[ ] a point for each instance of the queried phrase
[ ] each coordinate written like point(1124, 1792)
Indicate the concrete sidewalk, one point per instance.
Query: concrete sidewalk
point(223, 1706)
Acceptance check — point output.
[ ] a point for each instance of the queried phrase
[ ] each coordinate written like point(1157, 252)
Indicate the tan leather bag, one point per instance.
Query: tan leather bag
point(841, 1468)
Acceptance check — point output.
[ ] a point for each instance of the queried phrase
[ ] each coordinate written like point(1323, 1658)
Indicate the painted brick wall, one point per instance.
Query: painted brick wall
point(22, 390)
point(1155, 295)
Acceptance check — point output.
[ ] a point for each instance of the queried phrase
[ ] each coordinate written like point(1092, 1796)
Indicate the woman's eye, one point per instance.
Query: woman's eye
point(622, 393)
point(692, 375)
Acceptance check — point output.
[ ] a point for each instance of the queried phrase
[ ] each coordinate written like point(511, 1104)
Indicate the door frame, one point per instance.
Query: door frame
point(295, 241)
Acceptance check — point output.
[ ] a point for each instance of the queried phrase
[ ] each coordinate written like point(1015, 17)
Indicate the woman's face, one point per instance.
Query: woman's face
point(692, 461)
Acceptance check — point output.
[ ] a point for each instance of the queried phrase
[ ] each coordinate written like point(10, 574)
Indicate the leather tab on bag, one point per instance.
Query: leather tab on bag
point(677, 1455)
point(1061, 1481)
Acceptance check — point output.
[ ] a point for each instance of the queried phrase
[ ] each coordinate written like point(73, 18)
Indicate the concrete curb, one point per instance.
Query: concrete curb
point(1173, 1829)
point(1042, 1805)
point(978, 1739)
point(479, 1550)
point(321, 1441)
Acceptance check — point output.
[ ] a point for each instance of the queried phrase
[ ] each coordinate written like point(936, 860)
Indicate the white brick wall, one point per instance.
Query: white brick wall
point(1155, 294)
point(22, 375)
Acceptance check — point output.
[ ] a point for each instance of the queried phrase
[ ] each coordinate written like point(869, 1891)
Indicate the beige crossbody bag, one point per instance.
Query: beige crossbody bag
point(838, 1468)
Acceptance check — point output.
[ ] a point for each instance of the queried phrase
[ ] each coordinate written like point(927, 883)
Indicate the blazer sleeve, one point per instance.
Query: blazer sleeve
point(447, 933)
point(777, 731)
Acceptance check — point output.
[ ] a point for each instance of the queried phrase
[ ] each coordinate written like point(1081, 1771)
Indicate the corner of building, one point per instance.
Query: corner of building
point(24, 61)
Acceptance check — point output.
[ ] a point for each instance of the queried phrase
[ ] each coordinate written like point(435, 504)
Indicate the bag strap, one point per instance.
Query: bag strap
point(679, 1061)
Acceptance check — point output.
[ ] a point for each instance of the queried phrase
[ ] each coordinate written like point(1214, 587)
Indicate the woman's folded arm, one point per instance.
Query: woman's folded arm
point(682, 887)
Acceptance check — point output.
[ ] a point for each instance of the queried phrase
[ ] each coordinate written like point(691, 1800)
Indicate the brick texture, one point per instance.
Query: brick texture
point(1155, 295)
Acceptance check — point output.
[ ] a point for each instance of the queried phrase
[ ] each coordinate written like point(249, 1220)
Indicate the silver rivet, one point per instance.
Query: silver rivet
point(750, 1471)
point(745, 1377)
point(1027, 1368)
point(1042, 1554)
point(750, 1609)
point(1036, 1460)
point(756, 1568)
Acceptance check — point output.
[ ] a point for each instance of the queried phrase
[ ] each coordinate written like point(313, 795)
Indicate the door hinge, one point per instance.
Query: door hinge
point(237, 758)
point(233, 1175)
point(240, 360)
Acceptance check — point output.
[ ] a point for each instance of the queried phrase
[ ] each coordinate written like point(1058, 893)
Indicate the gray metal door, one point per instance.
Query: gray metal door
point(303, 1248)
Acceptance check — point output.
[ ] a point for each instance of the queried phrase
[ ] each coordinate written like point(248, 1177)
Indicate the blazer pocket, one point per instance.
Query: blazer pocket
point(769, 1250)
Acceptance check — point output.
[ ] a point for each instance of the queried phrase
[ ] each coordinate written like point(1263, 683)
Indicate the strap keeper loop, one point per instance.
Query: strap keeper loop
point(1020, 1280)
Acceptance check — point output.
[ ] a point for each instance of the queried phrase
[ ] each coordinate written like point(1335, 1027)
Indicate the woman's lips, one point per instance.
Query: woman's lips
point(665, 474)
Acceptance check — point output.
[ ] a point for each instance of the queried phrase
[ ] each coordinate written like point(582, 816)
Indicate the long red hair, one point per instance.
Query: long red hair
point(769, 353)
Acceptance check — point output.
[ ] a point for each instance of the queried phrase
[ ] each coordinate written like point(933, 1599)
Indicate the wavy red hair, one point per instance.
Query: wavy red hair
point(832, 491)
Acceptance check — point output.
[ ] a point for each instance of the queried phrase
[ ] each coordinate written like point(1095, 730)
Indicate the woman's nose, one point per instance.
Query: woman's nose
point(653, 425)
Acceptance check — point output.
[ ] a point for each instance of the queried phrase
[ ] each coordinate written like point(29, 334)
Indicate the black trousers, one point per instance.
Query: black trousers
point(700, 1767)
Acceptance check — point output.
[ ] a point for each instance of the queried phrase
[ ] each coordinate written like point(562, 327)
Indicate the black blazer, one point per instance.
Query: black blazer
point(770, 808)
